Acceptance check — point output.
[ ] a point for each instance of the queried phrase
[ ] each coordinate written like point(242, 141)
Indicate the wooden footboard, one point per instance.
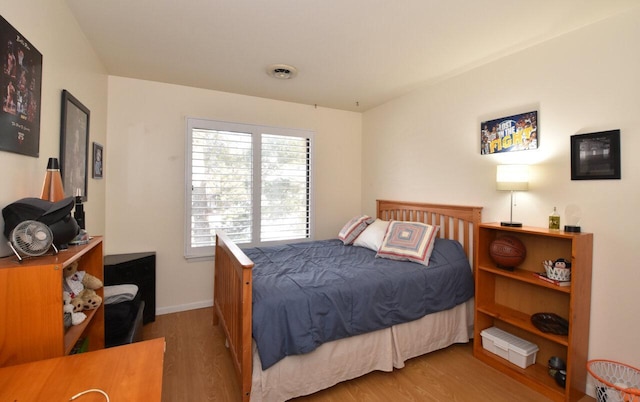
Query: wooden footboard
point(232, 295)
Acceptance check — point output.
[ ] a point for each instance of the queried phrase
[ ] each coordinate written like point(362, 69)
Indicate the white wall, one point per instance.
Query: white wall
point(425, 146)
point(145, 167)
point(69, 63)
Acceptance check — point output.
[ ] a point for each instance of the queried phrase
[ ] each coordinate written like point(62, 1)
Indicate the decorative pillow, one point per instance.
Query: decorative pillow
point(373, 235)
point(353, 228)
point(408, 241)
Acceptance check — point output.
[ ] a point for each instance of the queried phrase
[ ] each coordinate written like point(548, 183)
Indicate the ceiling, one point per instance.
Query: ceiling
point(350, 54)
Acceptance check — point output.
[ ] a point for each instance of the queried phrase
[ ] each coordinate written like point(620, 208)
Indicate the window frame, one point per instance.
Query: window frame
point(256, 131)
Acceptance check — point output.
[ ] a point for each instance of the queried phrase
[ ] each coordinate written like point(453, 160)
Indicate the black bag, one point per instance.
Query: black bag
point(56, 215)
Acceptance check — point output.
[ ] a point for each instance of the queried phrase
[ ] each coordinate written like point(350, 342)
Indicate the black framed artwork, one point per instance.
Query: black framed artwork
point(595, 156)
point(20, 86)
point(74, 145)
point(98, 161)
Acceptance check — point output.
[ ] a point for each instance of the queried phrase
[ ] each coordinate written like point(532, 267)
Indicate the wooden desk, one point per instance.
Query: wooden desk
point(126, 373)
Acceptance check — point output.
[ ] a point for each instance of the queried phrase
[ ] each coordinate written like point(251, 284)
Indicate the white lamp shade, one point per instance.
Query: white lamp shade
point(512, 177)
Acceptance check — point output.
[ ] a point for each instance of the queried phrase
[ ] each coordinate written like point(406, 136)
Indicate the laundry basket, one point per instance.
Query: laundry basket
point(615, 382)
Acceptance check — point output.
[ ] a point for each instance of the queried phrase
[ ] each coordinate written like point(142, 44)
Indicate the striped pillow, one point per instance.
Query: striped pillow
point(353, 228)
point(408, 241)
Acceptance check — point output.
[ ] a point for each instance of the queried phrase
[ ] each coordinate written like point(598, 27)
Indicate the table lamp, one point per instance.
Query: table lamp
point(52, 189)
point(512, 178)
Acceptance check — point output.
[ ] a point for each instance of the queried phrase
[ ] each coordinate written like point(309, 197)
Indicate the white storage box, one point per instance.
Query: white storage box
point(518, 351)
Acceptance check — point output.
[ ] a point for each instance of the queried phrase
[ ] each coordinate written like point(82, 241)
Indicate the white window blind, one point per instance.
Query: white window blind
point(285, 188)
point(253, 182)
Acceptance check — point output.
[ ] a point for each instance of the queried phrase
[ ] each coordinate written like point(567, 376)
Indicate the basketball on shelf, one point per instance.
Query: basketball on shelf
point(507, 252)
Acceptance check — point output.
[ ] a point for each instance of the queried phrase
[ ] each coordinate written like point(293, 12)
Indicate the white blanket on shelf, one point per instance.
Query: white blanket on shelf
point(119, 293)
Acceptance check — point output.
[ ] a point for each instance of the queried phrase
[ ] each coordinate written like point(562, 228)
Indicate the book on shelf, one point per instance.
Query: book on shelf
point(81, 346)
point(543, 276)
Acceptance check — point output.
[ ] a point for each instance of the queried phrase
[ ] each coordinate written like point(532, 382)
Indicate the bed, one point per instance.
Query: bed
point(348, 356)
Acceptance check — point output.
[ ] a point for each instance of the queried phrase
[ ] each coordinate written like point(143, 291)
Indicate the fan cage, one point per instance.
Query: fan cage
point(32, 238)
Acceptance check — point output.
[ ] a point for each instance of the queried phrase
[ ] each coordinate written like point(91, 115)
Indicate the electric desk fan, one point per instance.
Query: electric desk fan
point(31, 239)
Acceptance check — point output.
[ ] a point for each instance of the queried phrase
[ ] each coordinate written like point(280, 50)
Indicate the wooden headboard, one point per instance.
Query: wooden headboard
point(456, 222)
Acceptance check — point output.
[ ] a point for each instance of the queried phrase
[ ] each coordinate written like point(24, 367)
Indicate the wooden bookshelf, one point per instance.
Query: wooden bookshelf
point(507, 299)
point(31, 305)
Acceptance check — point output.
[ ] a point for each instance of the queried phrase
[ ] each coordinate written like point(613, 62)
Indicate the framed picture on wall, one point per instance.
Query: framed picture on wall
point(74, 145)
point(508, 134)
point(98, 161)
point(20, 86)
point(595, 156)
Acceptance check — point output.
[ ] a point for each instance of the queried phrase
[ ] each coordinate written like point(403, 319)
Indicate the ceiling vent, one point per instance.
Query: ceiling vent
point(282, 71)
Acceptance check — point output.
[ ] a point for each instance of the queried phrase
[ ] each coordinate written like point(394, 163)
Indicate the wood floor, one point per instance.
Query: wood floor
point(198, 368)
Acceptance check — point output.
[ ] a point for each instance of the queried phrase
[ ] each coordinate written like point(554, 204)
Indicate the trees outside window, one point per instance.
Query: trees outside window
point(252, 182)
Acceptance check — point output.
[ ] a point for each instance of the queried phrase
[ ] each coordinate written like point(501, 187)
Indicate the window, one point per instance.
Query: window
point(253, 182)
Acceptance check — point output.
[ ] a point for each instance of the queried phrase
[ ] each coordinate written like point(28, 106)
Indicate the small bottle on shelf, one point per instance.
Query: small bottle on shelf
point(554, 220)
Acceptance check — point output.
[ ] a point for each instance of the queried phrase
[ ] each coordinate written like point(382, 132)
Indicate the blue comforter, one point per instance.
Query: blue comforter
point(305, 294)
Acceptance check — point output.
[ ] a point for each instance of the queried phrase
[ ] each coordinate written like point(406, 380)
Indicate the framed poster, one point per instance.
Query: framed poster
point(74, 146)
point(512, 133)
point(20, 86)
point(98, 161)
point(595, 156)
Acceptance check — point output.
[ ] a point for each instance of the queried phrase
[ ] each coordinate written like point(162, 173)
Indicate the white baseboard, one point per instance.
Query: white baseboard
point(184, 307)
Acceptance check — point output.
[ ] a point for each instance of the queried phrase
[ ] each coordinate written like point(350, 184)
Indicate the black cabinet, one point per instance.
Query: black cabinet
point(138, 269)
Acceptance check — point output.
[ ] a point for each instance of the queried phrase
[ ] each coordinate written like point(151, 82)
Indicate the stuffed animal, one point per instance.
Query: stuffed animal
point(81, 286)
point(76, 317)
point(561, 263)
point(87, 300)
point(88, 281)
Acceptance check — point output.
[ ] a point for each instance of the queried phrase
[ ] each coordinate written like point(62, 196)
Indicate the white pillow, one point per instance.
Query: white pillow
point(373, 235)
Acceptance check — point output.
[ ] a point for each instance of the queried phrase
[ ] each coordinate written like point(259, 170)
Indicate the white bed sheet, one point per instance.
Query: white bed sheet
point(353, 357)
